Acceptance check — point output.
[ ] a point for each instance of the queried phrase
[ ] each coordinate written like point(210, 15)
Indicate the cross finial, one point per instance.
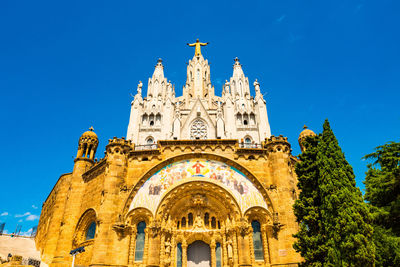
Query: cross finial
point(91, 129)
point(305, 127)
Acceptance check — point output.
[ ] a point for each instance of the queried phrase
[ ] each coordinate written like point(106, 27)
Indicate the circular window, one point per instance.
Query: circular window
point(198, 130)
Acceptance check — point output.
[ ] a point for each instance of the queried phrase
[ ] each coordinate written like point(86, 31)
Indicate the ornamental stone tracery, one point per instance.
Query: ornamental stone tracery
point(198, 130)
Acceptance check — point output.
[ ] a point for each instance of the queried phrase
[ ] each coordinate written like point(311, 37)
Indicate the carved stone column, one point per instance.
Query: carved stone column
point(213, 256)
point(224, 247)
point(132, 244)
point(244, 243)
point(146, 245)
point(264, 237)
point(235, 250)
point(251, 248)
point(153, 258)
point(184, 254)
point(162, 249)
point(173, 250)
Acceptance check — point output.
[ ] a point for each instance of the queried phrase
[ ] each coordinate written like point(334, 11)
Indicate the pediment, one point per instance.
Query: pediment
point(198, 111)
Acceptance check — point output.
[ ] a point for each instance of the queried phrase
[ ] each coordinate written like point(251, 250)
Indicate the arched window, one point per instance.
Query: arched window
point(218, 256)
point(206, 219)
point(213, 223)
point(140, 239)
point(85, 229)
point(245, 119)
point(145, 118)
point(247, 142)
point(239, 118)
point(158, 119)
point(183, 222)
point(257, 241)
point(252, 119)
point(91, 231)
point(190, 219)
point(179, 255)
point(151, 120)
point(84, 154)
point(149, 141)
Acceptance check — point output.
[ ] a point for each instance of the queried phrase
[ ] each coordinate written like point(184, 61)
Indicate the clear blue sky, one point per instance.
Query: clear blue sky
point(67, 66)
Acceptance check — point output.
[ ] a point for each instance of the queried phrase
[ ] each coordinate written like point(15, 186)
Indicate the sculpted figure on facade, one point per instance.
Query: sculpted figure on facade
point(139, 88)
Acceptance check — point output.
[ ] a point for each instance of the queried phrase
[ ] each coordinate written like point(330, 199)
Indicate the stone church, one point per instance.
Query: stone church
point(198, 181)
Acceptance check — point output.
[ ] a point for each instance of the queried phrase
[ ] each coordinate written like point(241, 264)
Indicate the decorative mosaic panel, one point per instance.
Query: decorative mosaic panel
point(231, 179)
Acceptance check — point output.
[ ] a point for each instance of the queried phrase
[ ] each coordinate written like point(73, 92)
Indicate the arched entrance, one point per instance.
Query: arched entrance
point(198, 254)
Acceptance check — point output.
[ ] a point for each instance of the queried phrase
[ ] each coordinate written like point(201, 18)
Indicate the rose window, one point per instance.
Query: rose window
point(198, 130)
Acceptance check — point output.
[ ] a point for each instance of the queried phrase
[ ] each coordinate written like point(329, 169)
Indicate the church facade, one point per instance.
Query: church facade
point(198, 181)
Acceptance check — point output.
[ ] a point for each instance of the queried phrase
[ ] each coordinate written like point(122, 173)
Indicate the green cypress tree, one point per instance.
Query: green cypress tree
point(345, 217)
point(310, 238)
point(334, 220)
point(382, 184)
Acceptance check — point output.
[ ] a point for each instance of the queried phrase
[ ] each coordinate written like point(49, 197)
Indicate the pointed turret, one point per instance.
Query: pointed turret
point(198, 82)
point(260, 107)
point(157, 86)
point(239, 82)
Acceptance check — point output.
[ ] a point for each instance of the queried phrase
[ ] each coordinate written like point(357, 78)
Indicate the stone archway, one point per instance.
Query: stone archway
point(198, 254)
point(189, 156)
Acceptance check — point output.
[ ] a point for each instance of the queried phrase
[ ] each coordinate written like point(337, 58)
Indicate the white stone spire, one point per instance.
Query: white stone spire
point(157, 85)
point(261, 109)
point(198, 82)
point(239, 82)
